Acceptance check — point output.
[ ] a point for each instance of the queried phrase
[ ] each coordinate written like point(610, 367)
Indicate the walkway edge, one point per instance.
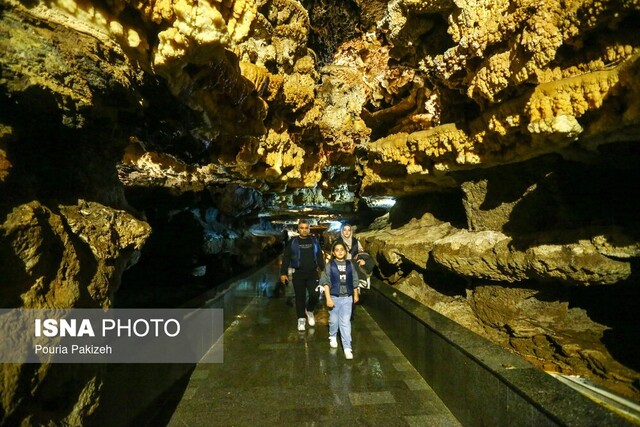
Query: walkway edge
point(480, 382)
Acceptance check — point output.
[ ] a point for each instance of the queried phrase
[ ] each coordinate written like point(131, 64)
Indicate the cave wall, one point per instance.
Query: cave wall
point(73, 234)
point(546, 263)
point(507, 132)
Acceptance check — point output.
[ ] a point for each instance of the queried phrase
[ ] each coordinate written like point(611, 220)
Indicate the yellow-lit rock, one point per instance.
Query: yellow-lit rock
point(458, 99)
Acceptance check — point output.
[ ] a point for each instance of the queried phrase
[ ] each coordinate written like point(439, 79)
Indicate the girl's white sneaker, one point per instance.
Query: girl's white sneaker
point(311, 320)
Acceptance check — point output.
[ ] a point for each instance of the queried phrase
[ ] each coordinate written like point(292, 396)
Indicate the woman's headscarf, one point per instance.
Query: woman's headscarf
point(348, 241)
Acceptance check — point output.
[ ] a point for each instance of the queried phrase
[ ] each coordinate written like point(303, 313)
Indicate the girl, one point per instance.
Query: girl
point(340, 280)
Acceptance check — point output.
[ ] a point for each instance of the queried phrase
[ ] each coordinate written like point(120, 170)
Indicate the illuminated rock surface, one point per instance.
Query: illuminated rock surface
point(508, 133)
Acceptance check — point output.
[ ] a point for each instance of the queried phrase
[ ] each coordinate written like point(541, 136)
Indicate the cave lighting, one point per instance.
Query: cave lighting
point(380, 202)
point(334, 225)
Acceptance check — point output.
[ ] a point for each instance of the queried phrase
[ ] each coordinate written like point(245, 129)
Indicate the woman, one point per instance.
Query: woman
point(356, 252)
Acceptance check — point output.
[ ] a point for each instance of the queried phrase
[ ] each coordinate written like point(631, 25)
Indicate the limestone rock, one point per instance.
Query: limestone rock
point(412, 244)
point(543, 329)
point(453, 307)
point(535, 96)
point(541, 316)
point(524, 114)
point(489, 255)
point(72, 256)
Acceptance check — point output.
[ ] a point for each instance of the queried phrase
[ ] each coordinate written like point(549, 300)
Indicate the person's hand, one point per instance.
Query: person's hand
point(283, 279)
point(360, 262)
point(356, 297)
point(330, 303)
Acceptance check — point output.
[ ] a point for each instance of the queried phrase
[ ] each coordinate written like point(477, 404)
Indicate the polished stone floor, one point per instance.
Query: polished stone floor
point(273, 375)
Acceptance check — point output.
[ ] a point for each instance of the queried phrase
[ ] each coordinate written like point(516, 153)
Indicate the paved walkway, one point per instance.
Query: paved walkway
point(273, 375)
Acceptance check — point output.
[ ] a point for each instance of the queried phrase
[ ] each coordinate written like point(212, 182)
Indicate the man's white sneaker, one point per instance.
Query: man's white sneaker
point(348, 354)
point(333, 342)
point(310, 319)
point(301, 324)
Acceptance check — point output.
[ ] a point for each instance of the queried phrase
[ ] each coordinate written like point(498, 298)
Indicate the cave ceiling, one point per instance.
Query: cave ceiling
point(506, 131)
point(311, 102)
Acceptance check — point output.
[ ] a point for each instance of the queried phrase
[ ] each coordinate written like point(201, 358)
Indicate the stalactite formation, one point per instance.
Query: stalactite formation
point(506, 131)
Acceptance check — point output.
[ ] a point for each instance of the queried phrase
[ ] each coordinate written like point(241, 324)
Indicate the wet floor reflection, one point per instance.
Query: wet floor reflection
point(274, 375)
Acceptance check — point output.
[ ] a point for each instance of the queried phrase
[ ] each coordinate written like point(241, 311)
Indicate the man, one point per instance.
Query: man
point(304, 255)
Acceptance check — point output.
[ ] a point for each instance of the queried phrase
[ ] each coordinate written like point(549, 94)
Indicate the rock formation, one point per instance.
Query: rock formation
point(507, 131)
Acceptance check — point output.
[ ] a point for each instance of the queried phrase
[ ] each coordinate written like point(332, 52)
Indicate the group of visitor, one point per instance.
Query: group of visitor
point(340, 280)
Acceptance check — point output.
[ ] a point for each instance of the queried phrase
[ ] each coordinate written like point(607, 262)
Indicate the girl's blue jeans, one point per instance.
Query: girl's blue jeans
point(340, 319)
